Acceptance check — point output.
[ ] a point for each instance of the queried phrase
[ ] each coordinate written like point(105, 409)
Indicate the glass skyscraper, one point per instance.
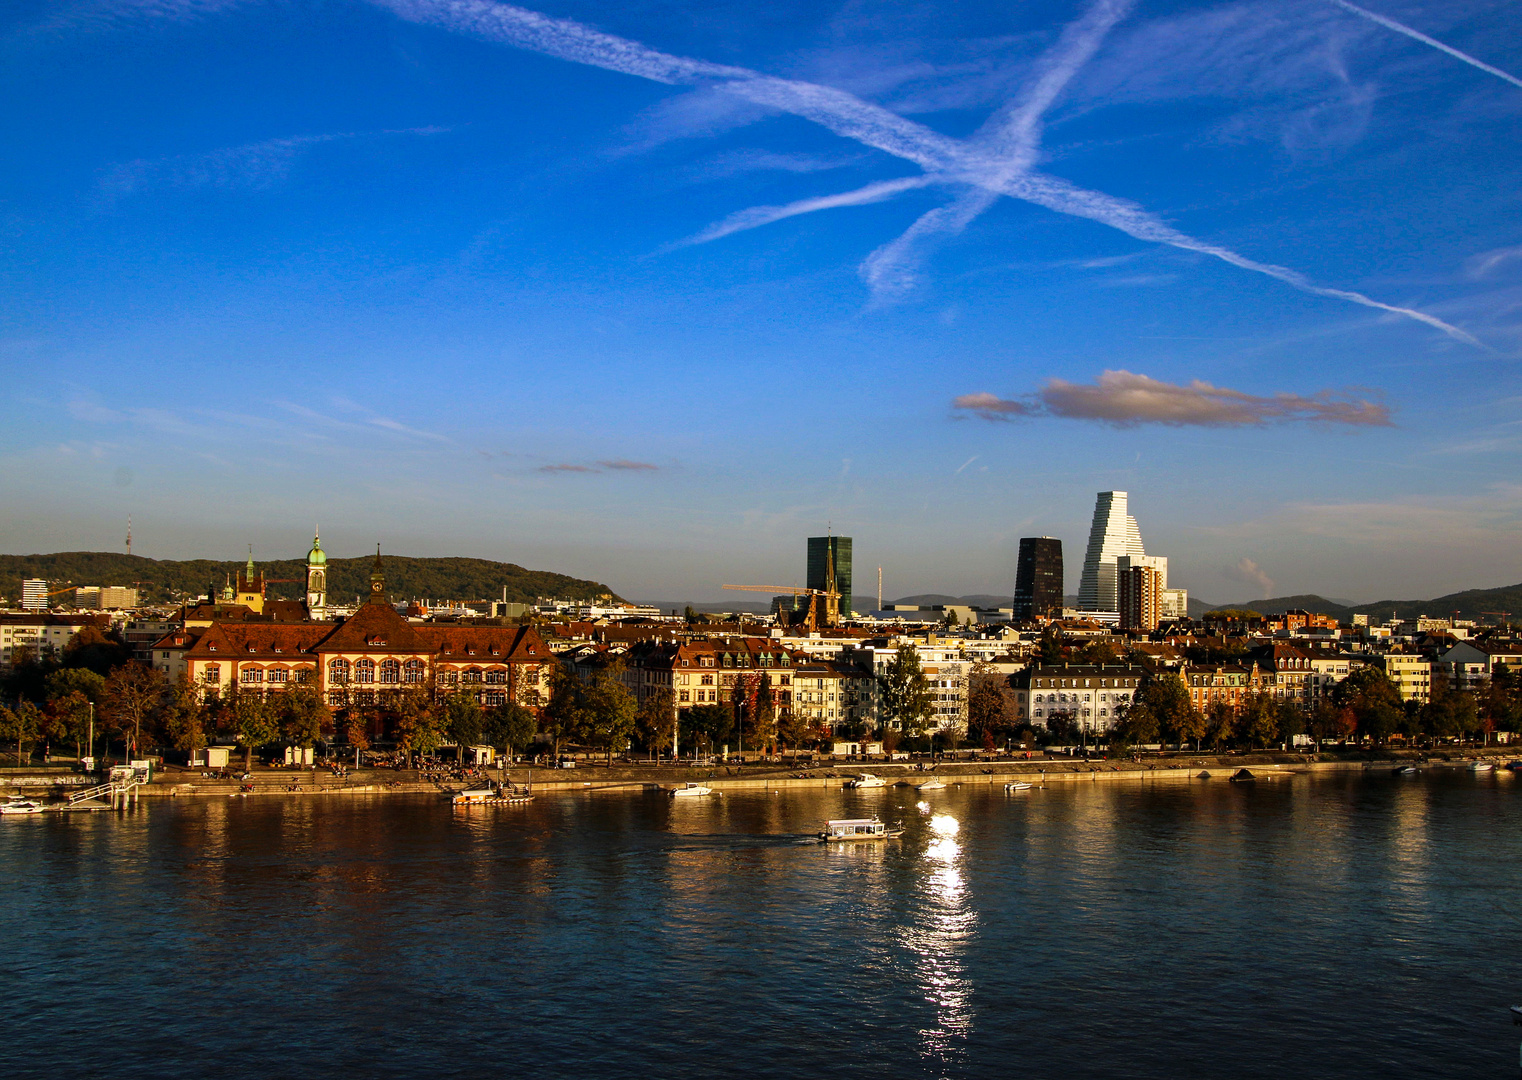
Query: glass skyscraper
point(1038, 579)
point(823, 551)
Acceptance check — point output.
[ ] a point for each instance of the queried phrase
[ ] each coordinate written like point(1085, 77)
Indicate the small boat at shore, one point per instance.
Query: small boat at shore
point(691, 791)
point(1404, 770)
point(490, 796)
point(1483, 766)
point(21, 806)
point(850, 829)
point(935, 783)
point(1017, 785)
point(867, 780)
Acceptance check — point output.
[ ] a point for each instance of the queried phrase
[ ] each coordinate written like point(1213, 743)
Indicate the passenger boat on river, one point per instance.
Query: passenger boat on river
point(846, 829)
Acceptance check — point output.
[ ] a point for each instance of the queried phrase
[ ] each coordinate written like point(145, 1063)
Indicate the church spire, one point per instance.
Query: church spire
point(378, 580)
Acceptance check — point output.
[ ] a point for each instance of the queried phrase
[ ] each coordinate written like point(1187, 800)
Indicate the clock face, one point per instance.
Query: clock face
point(375, 586)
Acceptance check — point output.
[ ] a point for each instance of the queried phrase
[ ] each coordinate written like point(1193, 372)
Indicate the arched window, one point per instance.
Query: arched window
point(472, 675)
point(412, 671)
point(496, 676)
point(252, 675)
point(364, 671)
point(303, 674)
point(338, 672)
point(279, 675)
point(390, 672)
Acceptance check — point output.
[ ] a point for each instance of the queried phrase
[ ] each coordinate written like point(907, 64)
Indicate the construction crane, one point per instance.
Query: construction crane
point(815, 617)
point(1503, 614)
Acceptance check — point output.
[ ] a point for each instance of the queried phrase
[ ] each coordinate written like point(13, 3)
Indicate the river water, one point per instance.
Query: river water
point(1325, 927)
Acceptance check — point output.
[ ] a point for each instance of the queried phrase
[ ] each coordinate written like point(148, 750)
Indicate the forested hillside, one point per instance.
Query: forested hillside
point(164, 580)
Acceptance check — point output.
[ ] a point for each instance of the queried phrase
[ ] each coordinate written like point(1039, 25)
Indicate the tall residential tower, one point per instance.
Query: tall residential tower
point(1113, 534)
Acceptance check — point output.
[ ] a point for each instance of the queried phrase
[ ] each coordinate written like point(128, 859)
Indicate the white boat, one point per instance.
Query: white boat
point(845, 829)
point(21, 806)
point(935, 783)
point(1017, 785)
point(866, 780)
point(690, 791)
point(1483, 766)
point(490, 797)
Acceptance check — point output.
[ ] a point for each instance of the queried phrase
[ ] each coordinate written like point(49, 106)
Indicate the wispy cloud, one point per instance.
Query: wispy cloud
point(624, 465)
point(1124, 399)
point(948, 160)
point(1417, 35)
point(608, 465)
point(1250, 572)
point(566, 468)
point(255, 166)
point(1483, 264)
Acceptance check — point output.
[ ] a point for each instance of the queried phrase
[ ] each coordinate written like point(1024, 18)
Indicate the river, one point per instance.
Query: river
point(1336, 926)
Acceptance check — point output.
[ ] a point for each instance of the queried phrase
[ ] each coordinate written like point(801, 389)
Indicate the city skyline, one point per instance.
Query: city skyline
point(646, 295)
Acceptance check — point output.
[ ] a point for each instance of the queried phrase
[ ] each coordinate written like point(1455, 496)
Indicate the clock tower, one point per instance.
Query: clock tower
point(317, 579)
point(377, 580)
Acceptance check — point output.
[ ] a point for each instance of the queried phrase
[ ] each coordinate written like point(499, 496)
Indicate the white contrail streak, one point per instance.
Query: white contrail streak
point(1013, 134)
point(1417, 35)
point(756, 216)
point(944, 159)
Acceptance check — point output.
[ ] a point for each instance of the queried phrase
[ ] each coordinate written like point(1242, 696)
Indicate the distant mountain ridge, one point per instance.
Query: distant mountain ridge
point(1476, 604)
point(406, 577)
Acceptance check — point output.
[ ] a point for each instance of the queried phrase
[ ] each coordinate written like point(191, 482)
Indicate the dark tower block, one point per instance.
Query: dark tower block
point(1038, 579)
point(830, 569)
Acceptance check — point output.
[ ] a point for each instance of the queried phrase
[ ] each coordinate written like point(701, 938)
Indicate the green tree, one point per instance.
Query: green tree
point(1291, 719)
point(1220, 723)
point(418, 723)
point(905, 692)
point(609, 712)
point(256, 723)
point(303, 716)
point(1168, 700)
point(711, 725)
point(1259, 720)
point(68, 719)
point(793, 728)
point(1099, 651)
point(510, 727)
point(1051, 645)
point(131, 699)
point(562, 713)
point(656, 719)
point(463, 721)
point(1374, 701)
point(65, 681)
point(183, 716)
point(1137, 723)
point(96, 650)
point(23, 724)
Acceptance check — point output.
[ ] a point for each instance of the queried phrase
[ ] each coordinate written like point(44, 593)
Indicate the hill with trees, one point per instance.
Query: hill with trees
point(1481, 605)
point(166, 580)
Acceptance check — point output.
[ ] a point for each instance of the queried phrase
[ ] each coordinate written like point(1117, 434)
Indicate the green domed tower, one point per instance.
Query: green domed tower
point(317, 579)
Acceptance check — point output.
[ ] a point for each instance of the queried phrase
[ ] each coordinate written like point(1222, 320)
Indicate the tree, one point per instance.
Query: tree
point(562, 713)
point(711, 725)
point(96, 650)
point(905, 692)
point(765, 724)
point(463, 721)
point(986, 704)
point(793, 729)
point(608, 716)
point(65, 681)
point(511, 726)
point(1051, 645)
point(1168, 700)
point(23, 723)
point(1098, 651)
point(1220, 722)
point(656, 720)
point(68, 719)
point(357, 731)
point(417, 723)
point(131, 698)
point(1374, 701)
point(255, 724)
point(1259, 720)
point(1291, 718)
point(1137, 723)
point(302, 715)
point(1329, 721)
point(183, 716)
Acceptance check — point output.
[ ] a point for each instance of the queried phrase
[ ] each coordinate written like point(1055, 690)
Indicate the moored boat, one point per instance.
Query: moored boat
point(848, 829)
point(935, 783)
point(691, 791)
point(866, 780)
point(491, 796)
point(1017, 785)
point(21, 806)
point(1483, 766)
point(1404, 770)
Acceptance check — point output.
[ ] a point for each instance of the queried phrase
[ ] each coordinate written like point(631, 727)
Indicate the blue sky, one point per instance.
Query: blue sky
point(650, 292)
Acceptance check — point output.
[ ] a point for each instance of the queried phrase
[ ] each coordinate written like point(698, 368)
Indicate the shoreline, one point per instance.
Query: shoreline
point(1266, 767)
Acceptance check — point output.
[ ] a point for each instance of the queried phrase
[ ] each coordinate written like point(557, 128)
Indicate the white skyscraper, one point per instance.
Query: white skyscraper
point(1113, 534)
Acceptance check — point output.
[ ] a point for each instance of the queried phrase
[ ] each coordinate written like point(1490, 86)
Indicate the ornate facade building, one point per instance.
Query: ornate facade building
point(372, 655)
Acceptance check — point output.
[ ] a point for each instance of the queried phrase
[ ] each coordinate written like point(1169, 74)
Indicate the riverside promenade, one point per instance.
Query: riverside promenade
point(176, 782)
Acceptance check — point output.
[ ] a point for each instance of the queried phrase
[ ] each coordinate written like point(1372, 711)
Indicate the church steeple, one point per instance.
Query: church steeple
point(317, 579)
point(377, 580)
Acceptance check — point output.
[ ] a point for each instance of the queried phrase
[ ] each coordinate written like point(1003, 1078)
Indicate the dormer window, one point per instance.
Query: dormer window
point(211, 646)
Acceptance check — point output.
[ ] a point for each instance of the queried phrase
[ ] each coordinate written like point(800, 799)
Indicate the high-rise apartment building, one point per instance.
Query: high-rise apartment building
point(1114, 533)
point(830, 564)
point(1038, 579)
point(34, 594)
point(1140, 583)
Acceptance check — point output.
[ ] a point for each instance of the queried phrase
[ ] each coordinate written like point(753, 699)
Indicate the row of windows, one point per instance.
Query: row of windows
point(1085, 682)
point(1040, 698)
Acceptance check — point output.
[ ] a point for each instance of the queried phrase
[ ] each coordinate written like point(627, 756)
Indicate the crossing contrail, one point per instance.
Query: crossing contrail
point(1417, 35)
point(943, 158)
